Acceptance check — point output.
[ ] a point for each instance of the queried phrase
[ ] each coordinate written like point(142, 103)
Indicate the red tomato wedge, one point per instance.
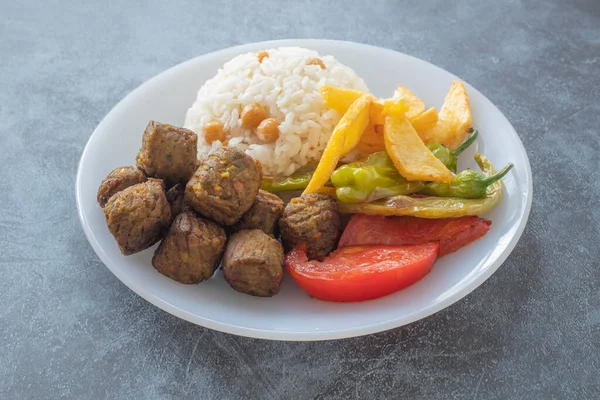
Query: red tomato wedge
point(358, 273)
point(450, 233)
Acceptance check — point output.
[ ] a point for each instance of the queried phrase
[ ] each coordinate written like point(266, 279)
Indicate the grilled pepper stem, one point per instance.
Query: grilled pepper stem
point(469, 184)
point(369, 180)
point(466, 144)
point(434, 207)
point(447, 156)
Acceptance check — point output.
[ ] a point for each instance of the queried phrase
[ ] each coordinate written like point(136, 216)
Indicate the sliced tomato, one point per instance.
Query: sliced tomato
point(451, 233)
point(358, 273)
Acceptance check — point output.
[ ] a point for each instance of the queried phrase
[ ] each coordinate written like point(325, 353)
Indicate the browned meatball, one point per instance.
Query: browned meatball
point(224, 186)
point(264, 214)
point(175, 199)
point(138, 216)
point(253, 263)
point(311, 219)
point(168, 152)
point(191, 251)
point(118, 179)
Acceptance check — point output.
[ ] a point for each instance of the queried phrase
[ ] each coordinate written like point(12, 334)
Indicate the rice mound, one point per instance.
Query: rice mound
point(287, 87)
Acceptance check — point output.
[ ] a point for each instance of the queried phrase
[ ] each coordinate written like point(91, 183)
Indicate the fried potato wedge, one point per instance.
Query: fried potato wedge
point(339, 99)
point(409, 154)
point(376, 112)
point(414, 105)
point(355, 121)
point(393, 107)
point(454, 119)
point(345, 137)
point(371, 140)
point(425, 120)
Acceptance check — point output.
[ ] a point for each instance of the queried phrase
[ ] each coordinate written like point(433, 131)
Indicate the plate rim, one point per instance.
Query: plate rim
point(283, 335)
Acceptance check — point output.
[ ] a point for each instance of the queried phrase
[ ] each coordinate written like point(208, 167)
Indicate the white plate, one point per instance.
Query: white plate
point(292, 315)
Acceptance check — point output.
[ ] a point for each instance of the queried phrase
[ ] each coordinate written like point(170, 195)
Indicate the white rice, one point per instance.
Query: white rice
point(288, 89)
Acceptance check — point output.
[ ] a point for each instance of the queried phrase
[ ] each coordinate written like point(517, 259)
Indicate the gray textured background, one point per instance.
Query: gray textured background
point(69, 328)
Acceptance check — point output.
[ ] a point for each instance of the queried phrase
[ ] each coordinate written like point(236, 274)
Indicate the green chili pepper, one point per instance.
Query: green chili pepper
point(369, 180)
point(469, 184)
point(281, 184)
point(275, 184)
point(434, 207)
point(297, 181)
point(447, 156)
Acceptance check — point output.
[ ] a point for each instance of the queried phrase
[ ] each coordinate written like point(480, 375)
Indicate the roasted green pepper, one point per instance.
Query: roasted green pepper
point(297, 181)
point(469, 184)
point(369, 180)
point(447, 156)
point(434, 207)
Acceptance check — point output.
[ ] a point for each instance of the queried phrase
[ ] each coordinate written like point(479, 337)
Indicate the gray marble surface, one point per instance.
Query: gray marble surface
point(69, 328)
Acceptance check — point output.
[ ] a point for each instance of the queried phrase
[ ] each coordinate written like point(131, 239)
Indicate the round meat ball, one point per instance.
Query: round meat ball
point(138, 216)
point(224, 186)
point(264, 214)
point(253, 263)
point(311, 219)
point(117, 180)
point(191, 251)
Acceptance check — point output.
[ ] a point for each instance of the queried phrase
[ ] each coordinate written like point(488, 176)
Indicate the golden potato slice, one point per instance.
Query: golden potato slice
point(454, 119)
point(393, 107)
point(357, 119)
point(376, 112)
point(338, 98)
point(371, 140)
point(344, 138)
point(409, 154)
point(414, 105)
point(425, 120)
